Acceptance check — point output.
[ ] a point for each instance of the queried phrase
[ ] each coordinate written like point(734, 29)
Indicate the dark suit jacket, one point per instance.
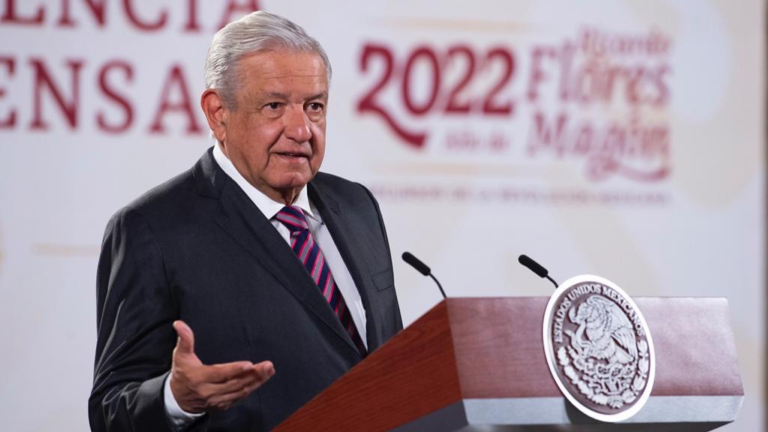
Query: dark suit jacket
point(196, 248)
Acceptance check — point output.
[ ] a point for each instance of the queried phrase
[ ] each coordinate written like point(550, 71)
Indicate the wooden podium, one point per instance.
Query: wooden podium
point(477, 364)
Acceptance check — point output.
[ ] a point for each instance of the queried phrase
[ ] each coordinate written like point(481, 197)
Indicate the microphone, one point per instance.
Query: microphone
point(535, 267)
point(421, 268)
point(416, 263)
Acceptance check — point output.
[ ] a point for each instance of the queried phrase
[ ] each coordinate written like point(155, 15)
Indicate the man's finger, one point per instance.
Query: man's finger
point(210, 391)
point(225, 394)
point(226, 378)
point(264, 369)
point(223, 372)
point(186, 342)
point(251, 379)
point(260, 372)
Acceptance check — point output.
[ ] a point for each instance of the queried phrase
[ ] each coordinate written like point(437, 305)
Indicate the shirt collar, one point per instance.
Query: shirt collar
point(266, 205)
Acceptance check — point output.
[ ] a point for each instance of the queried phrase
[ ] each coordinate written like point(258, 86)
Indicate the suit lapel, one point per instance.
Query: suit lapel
point(347, 242)
point(239, 217)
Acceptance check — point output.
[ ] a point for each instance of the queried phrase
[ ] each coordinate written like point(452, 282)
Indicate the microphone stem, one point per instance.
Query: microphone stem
point(553, 281)
point(438, 284)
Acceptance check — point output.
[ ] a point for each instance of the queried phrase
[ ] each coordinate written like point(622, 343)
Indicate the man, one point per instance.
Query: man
point(234, 293)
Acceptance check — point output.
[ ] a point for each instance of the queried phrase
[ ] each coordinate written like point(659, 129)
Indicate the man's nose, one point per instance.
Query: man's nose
point(297, 125)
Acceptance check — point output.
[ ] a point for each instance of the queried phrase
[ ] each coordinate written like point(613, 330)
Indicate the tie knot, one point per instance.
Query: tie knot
point(293, 218)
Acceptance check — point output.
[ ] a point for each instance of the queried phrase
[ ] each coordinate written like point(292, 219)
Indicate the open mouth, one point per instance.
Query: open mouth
point(296, 156)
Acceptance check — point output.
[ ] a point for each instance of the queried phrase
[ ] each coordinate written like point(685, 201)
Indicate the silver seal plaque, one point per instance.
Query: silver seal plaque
point(598, 348)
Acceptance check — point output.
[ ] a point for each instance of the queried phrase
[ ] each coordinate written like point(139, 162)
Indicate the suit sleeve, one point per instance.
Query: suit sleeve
point(135, 312)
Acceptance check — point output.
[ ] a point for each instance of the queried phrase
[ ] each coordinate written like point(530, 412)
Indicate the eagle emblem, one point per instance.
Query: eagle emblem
point(598, 348)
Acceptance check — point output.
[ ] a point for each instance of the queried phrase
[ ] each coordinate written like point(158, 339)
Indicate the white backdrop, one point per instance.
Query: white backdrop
point(620, 138)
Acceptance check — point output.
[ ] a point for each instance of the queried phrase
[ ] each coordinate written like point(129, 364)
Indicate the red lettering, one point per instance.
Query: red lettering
point(10, 121)
point(43, 79)
point(634, 78)
point(369, 102)
point(454, 105)
point(97, 10)
point(537, 72)
point(545, 135)
point(590, 82)
point(119, 99)
point(184, 105)
point(143, 25)
point(234, 6)
point(10, 15)
point(661, 86)
point(434, 64)
point(490, 105)
point(585, 140)
point(566, 65)
point(192, 24)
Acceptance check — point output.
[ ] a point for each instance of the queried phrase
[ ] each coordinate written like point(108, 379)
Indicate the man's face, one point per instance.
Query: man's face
point(276, 135)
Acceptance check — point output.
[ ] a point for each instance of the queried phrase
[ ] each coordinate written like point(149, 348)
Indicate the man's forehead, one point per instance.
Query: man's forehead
point(282, 75)
point(295, 74)
point(280, 64)
point(290, 88)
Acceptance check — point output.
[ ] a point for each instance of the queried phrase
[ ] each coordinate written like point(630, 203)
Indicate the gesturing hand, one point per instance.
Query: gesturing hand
point(199, 388)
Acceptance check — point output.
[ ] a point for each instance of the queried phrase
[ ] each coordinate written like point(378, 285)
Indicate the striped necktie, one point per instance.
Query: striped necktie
point(311, 256)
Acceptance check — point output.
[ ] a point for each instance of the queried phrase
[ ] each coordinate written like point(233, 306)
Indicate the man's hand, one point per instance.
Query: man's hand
point(199, 388)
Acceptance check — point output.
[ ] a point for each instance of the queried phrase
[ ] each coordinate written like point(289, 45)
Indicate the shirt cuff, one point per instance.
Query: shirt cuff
point(178, 417)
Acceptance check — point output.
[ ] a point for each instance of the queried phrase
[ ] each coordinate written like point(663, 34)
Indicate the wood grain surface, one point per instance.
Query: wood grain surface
point(409, 377)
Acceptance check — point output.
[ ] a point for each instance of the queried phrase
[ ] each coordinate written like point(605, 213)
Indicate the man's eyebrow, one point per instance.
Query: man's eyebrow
point(321, 95)
point(278, 95)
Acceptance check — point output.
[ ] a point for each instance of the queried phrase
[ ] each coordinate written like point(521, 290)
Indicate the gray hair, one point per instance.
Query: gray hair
point(257, 31)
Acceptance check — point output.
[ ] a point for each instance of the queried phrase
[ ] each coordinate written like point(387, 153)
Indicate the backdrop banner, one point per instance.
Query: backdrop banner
point(618, 138)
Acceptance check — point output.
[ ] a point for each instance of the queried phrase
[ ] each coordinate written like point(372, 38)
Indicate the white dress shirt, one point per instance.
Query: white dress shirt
point(322, 237)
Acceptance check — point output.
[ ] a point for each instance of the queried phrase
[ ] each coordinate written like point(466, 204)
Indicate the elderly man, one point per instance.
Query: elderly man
point(283, 273)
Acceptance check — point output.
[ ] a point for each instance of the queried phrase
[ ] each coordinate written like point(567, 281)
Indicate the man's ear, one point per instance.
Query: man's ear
point(216, 113)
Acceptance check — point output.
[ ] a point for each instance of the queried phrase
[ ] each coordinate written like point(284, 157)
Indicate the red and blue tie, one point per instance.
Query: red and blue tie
point(311, 256)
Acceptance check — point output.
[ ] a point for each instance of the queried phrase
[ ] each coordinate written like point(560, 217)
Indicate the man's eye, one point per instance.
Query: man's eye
point(273, 105)
point(316, 106)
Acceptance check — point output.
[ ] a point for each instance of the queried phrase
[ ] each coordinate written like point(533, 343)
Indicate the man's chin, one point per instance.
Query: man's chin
point(292, 183)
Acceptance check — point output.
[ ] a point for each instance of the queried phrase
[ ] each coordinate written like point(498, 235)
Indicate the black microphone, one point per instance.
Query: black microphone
point(535, 267)
point(416, 263)
point(421, 268)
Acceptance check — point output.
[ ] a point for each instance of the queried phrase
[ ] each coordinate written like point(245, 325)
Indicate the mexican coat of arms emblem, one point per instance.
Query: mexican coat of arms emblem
point(599, 348)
